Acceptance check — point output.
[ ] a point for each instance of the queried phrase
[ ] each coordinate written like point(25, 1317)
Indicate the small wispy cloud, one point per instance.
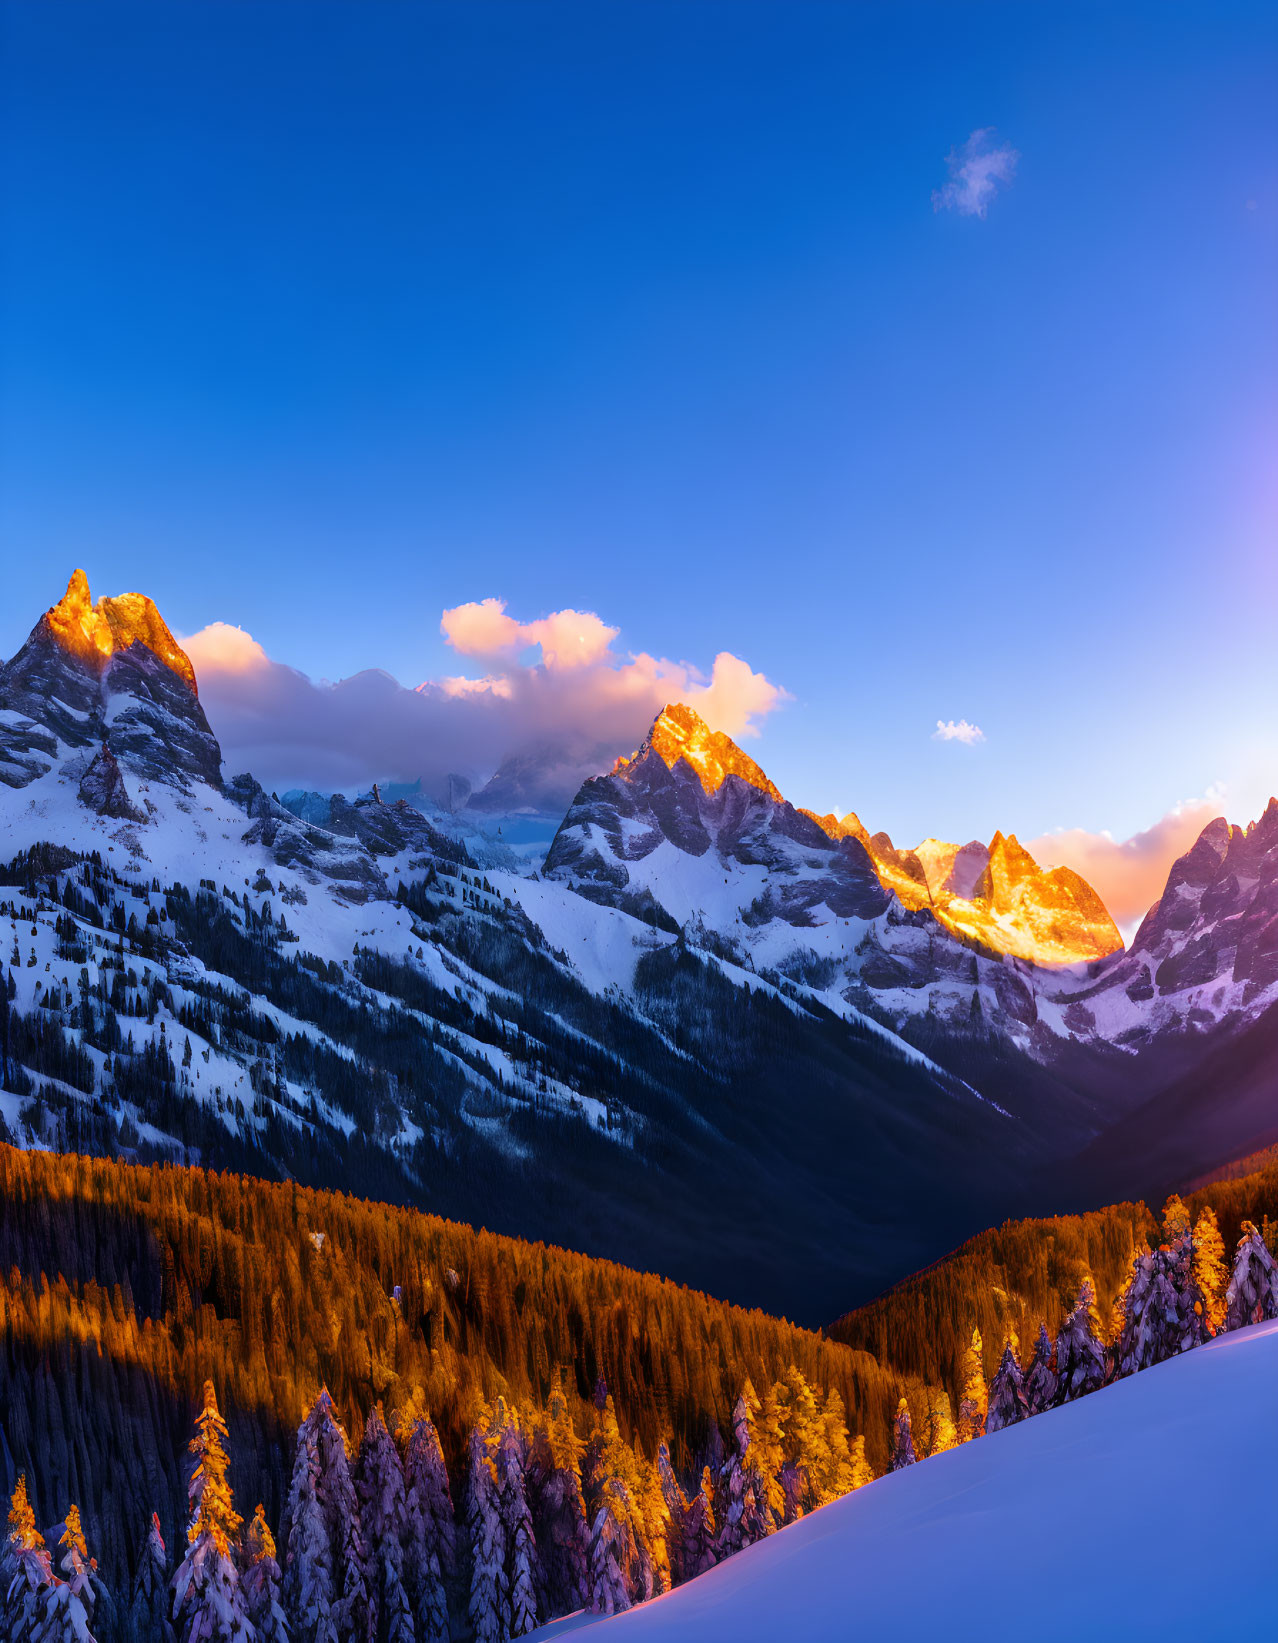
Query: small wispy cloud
point(976, 170)
point(957, 730)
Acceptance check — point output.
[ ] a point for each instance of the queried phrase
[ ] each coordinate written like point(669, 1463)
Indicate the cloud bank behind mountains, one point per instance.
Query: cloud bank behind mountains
point(553, 693)
point(1129, 875)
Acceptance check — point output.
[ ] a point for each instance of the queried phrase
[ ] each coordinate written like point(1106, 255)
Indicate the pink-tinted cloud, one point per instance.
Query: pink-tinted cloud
point(568, 638)
point(572, 709)
point(1129, 875)
point(221, 648)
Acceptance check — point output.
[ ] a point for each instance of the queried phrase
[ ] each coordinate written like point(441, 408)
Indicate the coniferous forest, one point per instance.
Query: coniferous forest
point(237, 1409)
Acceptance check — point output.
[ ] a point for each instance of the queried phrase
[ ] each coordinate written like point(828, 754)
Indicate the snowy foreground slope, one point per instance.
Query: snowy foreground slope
point(1146, 1511)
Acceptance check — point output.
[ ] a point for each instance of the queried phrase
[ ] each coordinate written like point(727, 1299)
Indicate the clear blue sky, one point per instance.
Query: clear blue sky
point(318, 319)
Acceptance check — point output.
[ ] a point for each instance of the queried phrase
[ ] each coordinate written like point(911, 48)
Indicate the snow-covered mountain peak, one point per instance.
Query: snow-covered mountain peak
point(680, 733)
point(94, 632)
point(103, 675)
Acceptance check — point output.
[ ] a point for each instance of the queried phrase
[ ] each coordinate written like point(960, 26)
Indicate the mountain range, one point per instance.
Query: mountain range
point(761, 1050)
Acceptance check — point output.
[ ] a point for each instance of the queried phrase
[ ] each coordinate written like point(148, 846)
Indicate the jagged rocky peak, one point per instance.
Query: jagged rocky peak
point(94, 633)
point(680, 733)
point(106, 673)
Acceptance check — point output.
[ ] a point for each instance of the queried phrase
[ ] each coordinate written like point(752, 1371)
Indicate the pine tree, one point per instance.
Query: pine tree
point(836, 1477)
point(26, 1571)
point(67, 1607)
point(379, 1486)
point(430, 1540)
point(1080, 1357)
point(1252, 1295)
point(517, 1527)
point(975, 1399)
point(937, 1431)
point(700, 1537)
point(612, 1553)
point(902, 1439)
point(1040, 1377)
point(489, 1593)
point(353, 1608)
point(149, 1608)
point(862, 1471)
point(308, 1562)
point(742, 1510)
point(260, 1581)
point(1008, 1402)
point(609, 1460)
point(559, 1513)
point(1209, 1274)
point(208, 1603)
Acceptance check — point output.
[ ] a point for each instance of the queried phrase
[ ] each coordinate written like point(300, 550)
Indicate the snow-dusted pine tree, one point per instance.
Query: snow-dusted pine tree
point(517, 1527)
point(149, 1606)
point(1040, 1377)
point(700, 1538)
point(67, 1608)
point(1080, 1357)
point(902, 1439)
point(353, 1609)
point(612, 1551)
point(1008, 1402)
point(742, 1506)
point(260, 1580)
point(974, 1399)
point(26, 1572)
point(430, 1552)
point(379, 1485)
point(208, 1603)
point(489, 1593)
point(308, 1562)
point(1252, 1295)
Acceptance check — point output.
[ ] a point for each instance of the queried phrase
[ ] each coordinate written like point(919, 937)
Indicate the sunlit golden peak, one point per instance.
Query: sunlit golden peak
point(680, 733)
point(95, 632)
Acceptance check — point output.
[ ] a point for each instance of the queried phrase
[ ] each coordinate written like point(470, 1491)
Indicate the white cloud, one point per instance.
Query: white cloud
point(957, 730)
point(976, 169)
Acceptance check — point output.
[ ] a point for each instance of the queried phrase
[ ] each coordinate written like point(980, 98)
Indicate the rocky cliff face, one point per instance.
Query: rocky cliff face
point(106, 674)
point(1207, 949)
point(693, 789)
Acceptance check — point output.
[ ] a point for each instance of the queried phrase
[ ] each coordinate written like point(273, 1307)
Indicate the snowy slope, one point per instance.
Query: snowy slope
point(1146, 1511)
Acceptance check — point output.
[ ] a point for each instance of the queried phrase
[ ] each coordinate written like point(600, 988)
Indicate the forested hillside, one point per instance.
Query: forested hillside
point(128, 1287)
point(1007, 1280)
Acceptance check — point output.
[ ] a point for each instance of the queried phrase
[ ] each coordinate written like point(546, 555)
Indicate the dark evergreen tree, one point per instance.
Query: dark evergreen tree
point(430, 1538)
point(1040, 1377)
point(1080, 1355)
point(559, 1513)
point(902, 1439)
point(149, 1605)
point(308, 1562)
point(1007, 1402)
point(1252, 1295)
point(517, 1528)
point(261, 1582)
point(380, 1488)
point(489, 1594)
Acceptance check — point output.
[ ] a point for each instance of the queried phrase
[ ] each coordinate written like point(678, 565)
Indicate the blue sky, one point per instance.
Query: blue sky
point(320, 320)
